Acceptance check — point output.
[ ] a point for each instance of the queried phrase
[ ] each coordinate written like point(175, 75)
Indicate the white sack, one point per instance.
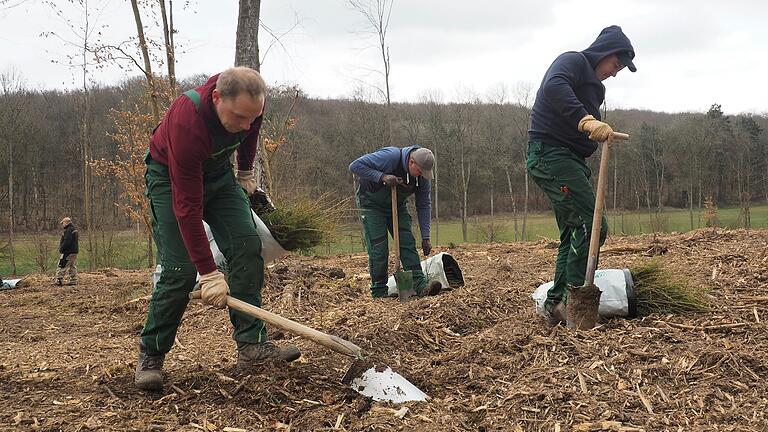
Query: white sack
point(617, 299)
point(270, 248)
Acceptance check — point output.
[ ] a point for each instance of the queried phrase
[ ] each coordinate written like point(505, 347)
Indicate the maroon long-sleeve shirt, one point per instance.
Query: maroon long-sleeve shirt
point(182, 142)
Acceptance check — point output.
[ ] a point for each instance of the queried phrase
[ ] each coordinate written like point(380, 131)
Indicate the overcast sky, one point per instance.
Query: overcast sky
point(690, 53)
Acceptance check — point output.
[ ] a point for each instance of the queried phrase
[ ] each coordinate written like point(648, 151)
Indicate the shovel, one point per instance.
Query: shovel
point(584, 301)
point(377, 382)
point(404, 279)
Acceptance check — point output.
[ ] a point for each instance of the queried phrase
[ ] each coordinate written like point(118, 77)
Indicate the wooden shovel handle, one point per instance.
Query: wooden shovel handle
point(395, 228)
point(332, 342)
point(597, 218)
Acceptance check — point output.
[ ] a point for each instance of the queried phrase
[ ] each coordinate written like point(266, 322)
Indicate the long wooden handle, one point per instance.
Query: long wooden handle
point(332, 342)
point(395, 228)
point(597, 218)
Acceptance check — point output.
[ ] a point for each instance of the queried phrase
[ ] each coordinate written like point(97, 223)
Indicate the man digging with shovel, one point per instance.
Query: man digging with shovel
point(565, 129)
point(189, 178)
point(398, 172)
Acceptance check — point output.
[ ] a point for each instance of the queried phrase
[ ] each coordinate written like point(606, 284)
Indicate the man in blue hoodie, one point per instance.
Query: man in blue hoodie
point(565, 129)
point(410, 170)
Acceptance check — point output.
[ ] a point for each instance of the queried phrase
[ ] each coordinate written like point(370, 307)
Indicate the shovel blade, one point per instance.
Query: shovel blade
point(583, 305)
point(380, 382)
point(404, 280)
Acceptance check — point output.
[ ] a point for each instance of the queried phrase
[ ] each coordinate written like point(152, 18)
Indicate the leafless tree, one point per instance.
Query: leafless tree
point(12, 111)
point(377, 13)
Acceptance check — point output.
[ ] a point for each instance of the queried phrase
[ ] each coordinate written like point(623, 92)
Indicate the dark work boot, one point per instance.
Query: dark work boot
point(58, 281)
point(250, 354)
point(149, 370)
point(433, 287)
point(555, 314)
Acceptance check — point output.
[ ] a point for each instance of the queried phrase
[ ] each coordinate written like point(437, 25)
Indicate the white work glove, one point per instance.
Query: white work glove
point(247, 181)
point(214, 289)
point(598, 131)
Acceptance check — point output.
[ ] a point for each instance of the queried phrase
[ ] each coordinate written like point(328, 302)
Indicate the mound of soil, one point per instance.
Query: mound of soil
point(485, 359)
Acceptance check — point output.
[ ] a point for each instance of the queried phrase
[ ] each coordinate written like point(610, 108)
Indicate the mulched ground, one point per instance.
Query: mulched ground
point(487, 361)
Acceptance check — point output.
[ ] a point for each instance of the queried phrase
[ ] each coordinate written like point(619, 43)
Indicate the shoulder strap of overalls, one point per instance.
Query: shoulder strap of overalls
point(194, 96)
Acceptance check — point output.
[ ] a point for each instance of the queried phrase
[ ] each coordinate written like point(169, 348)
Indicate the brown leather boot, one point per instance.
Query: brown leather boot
point(251, 354)
point(149, 370)
point(556, 314)
point(433, 287)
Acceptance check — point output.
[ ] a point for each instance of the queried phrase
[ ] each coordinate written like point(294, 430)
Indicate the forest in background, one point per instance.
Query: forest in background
point(673, 160)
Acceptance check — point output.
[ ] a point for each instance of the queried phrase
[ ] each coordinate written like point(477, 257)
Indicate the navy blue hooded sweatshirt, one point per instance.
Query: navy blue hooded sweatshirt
point(570, 90)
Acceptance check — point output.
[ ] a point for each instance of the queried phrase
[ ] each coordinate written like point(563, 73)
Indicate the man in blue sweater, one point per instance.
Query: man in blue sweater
point(410, 170)
point(565, 129)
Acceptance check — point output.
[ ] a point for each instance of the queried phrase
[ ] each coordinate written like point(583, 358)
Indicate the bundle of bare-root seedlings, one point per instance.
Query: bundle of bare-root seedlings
point(661, 291)
point(301, 223)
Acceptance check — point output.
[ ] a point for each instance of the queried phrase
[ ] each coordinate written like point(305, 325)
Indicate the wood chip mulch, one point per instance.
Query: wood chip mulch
point(486, 360)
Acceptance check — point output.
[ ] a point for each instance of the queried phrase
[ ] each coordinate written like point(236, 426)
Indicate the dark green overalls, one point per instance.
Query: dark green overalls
point(564, 178)
point(227, 211)
point(376, 215)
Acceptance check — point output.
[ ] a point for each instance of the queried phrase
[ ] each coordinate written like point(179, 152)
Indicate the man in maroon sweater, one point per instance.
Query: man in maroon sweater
point(189, 179)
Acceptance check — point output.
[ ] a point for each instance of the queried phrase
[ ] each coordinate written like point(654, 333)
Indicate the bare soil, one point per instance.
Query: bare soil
point(488, 362)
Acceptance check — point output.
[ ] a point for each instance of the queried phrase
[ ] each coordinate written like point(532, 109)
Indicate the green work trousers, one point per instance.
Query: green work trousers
point(376, 215)
point(226, 209)
point(564, 178)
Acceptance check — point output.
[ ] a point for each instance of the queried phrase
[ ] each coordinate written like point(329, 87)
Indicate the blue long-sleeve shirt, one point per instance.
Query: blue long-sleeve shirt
point(394, 160)
point(570, 90)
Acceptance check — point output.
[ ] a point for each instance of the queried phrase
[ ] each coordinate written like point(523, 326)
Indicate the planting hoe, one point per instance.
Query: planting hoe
point(379, 382)
point(583, 301)
point(404, 279)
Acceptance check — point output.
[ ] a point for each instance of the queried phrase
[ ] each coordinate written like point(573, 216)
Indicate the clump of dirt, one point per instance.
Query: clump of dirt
point(486, 360)
point(583, 304)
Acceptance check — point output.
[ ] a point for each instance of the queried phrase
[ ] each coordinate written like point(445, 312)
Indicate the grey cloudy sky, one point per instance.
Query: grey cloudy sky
point(690, 54)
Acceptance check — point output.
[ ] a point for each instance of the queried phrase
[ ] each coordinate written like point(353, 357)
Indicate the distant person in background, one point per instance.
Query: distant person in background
point(408, 169)
point(68, 248)
point(565, 129)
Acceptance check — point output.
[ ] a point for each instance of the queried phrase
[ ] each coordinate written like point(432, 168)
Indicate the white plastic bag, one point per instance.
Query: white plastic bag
point(442, 267)
point(10, 284)
point(270, 248)
point(617, 298)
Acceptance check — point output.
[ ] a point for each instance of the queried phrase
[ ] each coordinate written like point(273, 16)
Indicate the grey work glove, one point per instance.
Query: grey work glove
point(426, 246)
point(390, 180)
point(598, 131)
point(214, 289)
point(247, 181)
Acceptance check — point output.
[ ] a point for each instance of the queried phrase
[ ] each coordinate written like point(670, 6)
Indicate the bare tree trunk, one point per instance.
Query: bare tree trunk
point(465, 173)
point(377, 13)
point(525, 206)
point(491, 234)
point(701, 198)
point(247, 54)
point(512, 200)
point(247, 39)
point(170, 50)
point(147, 63)
point(86, 153)
point(690, 200)
point(11, 253)
point(637, 210)
point(436, 206)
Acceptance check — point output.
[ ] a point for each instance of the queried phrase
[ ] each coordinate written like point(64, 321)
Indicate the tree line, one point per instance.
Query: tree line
point(673, 160)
